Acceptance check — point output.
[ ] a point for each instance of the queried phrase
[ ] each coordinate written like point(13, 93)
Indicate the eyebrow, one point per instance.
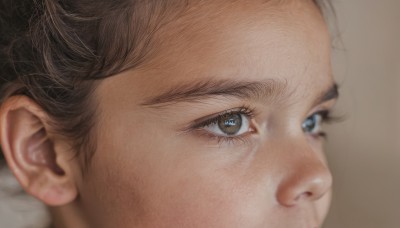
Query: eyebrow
point(267, 90)
point(331, 94)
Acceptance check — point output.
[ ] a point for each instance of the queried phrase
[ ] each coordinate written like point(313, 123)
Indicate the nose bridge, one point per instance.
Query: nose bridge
point(305, 177)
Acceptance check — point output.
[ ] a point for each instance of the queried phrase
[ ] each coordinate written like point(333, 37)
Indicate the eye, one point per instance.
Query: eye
point(313, 124)
point(230, 124)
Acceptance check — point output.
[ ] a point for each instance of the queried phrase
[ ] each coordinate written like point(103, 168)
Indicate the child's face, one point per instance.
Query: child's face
point(165, 158)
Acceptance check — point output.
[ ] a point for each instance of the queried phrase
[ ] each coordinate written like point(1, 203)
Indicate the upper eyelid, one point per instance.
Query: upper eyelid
point(323, 113)
point(325, 107)
point(211, 118)
point(201, 122)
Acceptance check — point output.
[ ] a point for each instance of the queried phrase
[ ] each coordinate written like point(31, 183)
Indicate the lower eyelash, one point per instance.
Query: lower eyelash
point(242, 139)
point(328, 118)
point(322, 135)
point(250, 113)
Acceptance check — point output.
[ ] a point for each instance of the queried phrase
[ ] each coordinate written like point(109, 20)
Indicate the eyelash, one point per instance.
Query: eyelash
point(250, 113)
point(327, 118)
point(247, 111)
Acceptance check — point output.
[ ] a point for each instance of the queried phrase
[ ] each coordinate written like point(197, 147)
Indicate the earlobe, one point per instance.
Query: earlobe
point(31, 154)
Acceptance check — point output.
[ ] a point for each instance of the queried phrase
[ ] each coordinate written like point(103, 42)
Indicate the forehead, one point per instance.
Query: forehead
point(245, 40)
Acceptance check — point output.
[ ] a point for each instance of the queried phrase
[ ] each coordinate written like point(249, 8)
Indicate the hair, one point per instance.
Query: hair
point(55, 52)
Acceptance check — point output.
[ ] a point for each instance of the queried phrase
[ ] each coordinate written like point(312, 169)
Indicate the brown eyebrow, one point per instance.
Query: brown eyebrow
point(331, 94)
point(267, 90)
point(197, 91)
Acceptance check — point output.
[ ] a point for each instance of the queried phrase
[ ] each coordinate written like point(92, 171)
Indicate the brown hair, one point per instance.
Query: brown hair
point(54, 51)
point(51, 51)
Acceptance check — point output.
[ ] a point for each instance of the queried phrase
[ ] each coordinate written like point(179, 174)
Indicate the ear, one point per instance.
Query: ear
point(43, 169)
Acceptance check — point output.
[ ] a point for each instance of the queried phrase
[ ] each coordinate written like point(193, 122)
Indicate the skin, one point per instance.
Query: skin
point(151, 169)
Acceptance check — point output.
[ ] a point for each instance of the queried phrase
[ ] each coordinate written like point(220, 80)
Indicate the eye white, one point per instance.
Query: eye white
point(313, 124)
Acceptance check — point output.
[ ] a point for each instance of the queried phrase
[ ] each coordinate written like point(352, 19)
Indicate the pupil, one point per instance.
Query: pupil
point(309, 124)
point(230, 124)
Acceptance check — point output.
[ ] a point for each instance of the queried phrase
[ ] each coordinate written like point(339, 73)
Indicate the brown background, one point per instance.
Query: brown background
point(364, 150)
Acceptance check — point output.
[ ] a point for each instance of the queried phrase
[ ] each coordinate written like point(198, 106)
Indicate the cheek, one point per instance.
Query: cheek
point(151, 179)
point(145, 175)
point(317, 144)
point(323, 205)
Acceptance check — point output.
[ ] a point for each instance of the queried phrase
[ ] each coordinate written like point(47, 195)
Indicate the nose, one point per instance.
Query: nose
point(307, 179)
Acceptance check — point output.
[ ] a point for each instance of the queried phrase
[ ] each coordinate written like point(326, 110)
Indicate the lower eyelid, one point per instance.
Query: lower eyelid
point(244, 139)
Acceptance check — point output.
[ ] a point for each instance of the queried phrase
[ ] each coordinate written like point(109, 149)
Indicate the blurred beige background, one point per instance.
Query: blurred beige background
point(364, 150)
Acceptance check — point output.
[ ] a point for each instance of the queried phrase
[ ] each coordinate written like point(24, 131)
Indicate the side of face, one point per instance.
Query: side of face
point(221, 128)
point(152, 170)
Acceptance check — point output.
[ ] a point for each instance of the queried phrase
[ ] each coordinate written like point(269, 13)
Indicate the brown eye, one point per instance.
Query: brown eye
point(230, 124)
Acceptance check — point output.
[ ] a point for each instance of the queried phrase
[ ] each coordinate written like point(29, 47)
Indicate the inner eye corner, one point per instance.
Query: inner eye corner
point(253, 124)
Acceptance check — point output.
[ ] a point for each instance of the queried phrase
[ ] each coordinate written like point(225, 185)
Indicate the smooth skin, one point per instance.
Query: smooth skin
point(156, 165)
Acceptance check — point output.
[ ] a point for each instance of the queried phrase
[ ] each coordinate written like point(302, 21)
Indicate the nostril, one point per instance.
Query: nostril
point(308, 185)
point(291, 199)
point(305, 195)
